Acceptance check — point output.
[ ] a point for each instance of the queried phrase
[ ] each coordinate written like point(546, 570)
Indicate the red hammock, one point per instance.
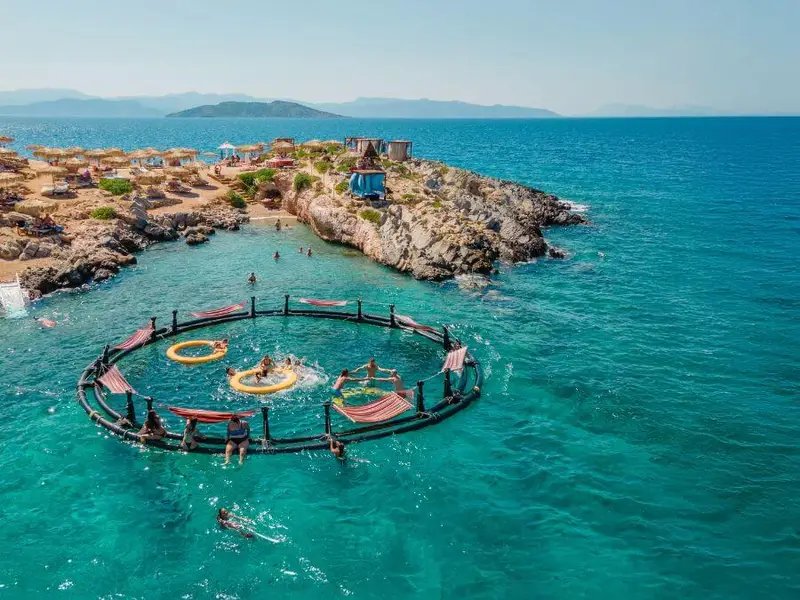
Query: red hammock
point(115, 382)
point(409, 322)
point(383, 409)
point(219, 312)
point(455, 359)
point(323, 302)
point(208, 416)
point(137, 339)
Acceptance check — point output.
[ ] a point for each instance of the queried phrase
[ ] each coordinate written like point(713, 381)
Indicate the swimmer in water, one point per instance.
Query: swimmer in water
point(397, 382)
point(277, 255)
point(264, 367)
point(221, 345)
point(340, 381)
point(252, 278)
point(287, 363)
point(230, 372)
point(372, 369)
point(278, 225)
point(309, 252)
point(228, 520)
point(337, 448)
point(300, 249)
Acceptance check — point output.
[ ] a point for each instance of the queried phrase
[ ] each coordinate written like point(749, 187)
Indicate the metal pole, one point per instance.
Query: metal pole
point(448, 387)
point(420, 397)
point(252, 307)
point(106, 350)
point(174, 322)
point(359, 310)
point(265, 418)
point(286, 304)
point(446, 339)
point(130, 408)
point(392, 322)
point(327, 406)
point(153, 325)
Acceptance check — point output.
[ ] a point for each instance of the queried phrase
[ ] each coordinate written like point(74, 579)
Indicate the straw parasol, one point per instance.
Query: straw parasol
point(181, 152)
point(178, 172)
point(116, 161)
point(76, 163)
point(150, 178)
point(33, 146)
point(7, 151)
point(283, 148)
point(73, 151)
point(249, 148)
point(114, 152)
point(49, 152)
point(96, 153)
point(312, 145)
point(196, 166)
point(51, 170)
point(4, 139)
point(10, 179)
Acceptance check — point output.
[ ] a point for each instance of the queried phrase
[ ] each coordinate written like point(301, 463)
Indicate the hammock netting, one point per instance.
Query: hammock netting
point(383, 409)
point(114, 381)
point(219, 312)
point(136, 340)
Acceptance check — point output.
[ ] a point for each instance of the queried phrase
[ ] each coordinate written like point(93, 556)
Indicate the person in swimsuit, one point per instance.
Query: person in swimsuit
point(278, 225)
point(277, 255)
point(397, 382)
point(221, 345)
point(287, 363)
point(230, 372)
point(252, 278)
point(337, 448)
point(264, 368)
point(309, 252)
point(152, 428)
point(337, 387)
point(228, 520)
point(300, 249)
point(372, 369)
point(190, 435)
point(238, 438)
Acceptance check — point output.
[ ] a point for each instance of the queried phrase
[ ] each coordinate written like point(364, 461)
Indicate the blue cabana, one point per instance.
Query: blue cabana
point(368, 183)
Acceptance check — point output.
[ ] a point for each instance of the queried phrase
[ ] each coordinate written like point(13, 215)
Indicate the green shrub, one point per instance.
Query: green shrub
point(322, 166)
point(342, 186)
point(118, 187)
point(104, 213)
point(373, 216)
point(255, 177)
point(346, 164)
point(235, 200)
point(436, 204)
point(302, 181)
point(409, 196)
point(299, 154)
point(334, 149)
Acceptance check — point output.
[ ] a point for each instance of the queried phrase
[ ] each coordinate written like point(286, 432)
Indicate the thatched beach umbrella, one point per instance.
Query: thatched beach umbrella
point(10, 179)
point(116, 161)
point(150, 178)
point(114, 151)
point(51, 170)
point(96, 153)
point(4, 139)
point(33, 146)
point(75, 163)
point(73, 151)
point(178, 172)
point(7, 151)
point(283, 148)
point(49, 153)
point(312, 145)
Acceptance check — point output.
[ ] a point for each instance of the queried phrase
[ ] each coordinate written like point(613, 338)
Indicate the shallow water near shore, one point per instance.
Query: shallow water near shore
point(637, 436)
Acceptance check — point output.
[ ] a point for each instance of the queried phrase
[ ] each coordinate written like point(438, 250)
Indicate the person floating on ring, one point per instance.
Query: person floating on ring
point(221, 345)
point(264, 367)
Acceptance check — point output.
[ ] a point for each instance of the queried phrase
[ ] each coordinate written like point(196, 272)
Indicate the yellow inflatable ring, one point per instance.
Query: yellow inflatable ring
point(172, 352)
point(236, 382)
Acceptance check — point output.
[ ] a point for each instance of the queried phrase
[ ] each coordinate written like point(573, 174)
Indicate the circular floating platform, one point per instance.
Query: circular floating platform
point(172, 352)
point(288, 381)
point(434, 402)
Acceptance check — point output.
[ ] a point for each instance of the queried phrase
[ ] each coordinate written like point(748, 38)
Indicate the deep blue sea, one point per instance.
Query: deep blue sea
point(638, 435)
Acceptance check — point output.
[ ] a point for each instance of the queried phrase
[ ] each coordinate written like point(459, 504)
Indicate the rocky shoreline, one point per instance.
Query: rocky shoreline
point(437, 221)
point(99, 249)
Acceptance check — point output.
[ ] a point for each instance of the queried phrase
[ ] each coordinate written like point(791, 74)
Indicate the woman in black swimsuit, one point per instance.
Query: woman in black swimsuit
point(238, 437)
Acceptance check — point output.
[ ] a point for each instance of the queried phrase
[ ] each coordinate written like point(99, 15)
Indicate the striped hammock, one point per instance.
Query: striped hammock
point(219, 312)
point(383, 409)
point(114, 381)
point(323, 302)
point(409, 322)
point(208, 416)
point(455, 359)
point(137, 339)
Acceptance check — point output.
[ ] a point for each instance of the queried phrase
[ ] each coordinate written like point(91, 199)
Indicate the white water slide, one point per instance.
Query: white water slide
point(12, 299)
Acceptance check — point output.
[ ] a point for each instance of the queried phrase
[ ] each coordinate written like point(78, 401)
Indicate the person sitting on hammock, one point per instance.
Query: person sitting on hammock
point(228, 520)
point(264, 368)
point(238, 438)
point(152, 428)
point(190, 435)
point(221, 345)
point(372, 369)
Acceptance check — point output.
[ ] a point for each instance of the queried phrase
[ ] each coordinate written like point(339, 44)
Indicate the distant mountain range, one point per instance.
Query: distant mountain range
point(72, 103)
point(274, 109)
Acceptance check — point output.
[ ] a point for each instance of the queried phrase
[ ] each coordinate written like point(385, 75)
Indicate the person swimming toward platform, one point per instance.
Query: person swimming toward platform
point(238, 438)
point(152, 428)
point(252, 278)
point(340, 381)
point(228, 520)
point(221, 345)
point(277, 255)
point(337, 448)
point(190, 435)
point(372, 369)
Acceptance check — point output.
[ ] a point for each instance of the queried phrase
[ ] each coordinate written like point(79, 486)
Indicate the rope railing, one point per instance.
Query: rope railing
point(453, 399)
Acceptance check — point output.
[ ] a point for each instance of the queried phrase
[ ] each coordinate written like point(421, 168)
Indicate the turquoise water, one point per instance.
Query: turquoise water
point(637, 438)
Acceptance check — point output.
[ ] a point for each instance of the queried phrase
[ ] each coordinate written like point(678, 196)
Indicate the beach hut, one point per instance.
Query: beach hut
point(399, 150)
point(287, 140)
point(377, 143)
point(351, 143)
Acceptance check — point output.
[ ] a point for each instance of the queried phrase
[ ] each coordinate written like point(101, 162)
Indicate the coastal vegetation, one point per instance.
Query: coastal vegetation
point(371, 215)
point(341, 187)
point(117, 187)
point(302, 181)
point(104, 213)
point(235, 199)
point(322, 166)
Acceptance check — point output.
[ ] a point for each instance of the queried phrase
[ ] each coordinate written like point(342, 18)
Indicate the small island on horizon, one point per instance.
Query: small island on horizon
point(258, 110)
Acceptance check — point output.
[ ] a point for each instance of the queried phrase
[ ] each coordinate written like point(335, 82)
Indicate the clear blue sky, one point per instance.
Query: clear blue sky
point(567, 55)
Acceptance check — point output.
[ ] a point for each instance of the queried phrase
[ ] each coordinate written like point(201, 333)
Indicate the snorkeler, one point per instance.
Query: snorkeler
point(372, 369)
point(228, 520)
point(252, 278)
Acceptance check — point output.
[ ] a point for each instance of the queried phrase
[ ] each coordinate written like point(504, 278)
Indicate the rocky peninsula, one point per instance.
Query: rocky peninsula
point(433, 222)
